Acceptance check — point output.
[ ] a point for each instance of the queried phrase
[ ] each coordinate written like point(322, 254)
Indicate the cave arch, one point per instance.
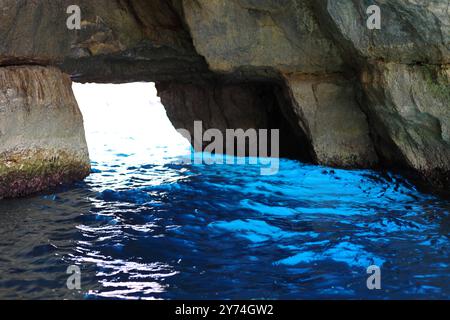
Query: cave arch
point(339, 95)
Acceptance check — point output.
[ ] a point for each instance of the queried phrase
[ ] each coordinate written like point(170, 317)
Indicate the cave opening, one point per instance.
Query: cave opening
point(130, 120)
point(127, 121)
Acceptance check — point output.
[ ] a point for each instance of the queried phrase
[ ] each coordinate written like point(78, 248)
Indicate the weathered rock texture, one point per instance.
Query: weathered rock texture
point(411, 30)
point(327, 110)
point(400, 107)
point(410, 110)
point(251, 34)
point(343, 94)
point(42, 140)
point(119, 41)
point(405, 77)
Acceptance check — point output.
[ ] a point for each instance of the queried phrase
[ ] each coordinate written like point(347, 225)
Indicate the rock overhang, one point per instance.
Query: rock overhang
point(337, 83)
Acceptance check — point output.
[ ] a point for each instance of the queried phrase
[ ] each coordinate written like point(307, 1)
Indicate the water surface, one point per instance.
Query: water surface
point(145, 226)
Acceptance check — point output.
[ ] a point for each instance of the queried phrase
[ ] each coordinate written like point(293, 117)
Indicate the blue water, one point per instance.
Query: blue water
point(145, 226)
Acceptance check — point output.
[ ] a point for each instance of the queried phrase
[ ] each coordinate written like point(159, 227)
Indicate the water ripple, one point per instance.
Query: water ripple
point(145, 225)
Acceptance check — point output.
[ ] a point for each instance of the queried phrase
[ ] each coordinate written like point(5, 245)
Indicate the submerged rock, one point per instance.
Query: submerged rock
point(42, 141)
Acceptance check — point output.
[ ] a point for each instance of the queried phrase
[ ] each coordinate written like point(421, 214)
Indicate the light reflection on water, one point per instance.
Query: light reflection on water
point(145, 226)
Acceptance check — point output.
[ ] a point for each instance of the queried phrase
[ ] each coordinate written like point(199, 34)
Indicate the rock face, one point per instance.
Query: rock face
point(411, 31)
point(42, 140)
point(120, 41)
point(410, 110)
point(397, 113)
point(328, 112)
point(341, 93)
point(405, 76)
point(260, 34)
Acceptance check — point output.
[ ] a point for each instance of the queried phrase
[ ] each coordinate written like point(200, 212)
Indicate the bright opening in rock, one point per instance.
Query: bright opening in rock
point(127, 121)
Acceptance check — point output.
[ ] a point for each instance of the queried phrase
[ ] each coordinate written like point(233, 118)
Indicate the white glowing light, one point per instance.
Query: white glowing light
point(128, 119)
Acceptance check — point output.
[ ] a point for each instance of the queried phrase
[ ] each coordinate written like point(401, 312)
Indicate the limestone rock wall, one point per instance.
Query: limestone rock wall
point(42, 141)
point(252, 35)
point(386, 94)
point(119, 41)
point(343, 94)
point(409, 106)
point(283, 40)
point(411, 31)
point(403, 69)
point(328, 112)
